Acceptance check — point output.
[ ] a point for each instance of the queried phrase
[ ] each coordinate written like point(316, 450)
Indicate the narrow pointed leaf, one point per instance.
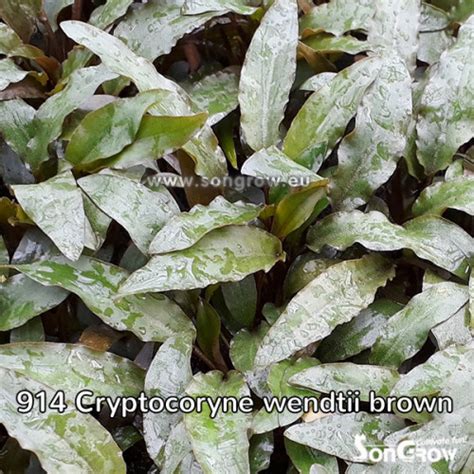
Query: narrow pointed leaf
point(184, 230)
point(168, 375)
point(367, 157)
point(150, 317)
point(220, 444)
point(332, 298)
point(50, 116)
point(268, 74)
point(12, 45)
point(204, 149)
point(321, 434)
point(227, 254)
point(195, 7)
point(72, 368)
point(141, 211)
point(59, 440)
point(108, 130)
point(406, 332)
point(273, 165)
point(457, 194)
point(322, 120)
point(431, 238)
point(446, 117)
point(344, 376)
point(56, 207)
point(96, 225)
point(327, 43)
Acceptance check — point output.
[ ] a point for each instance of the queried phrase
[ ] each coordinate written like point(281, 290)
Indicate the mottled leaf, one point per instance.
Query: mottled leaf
point(63, 442)
point(455, 330)
point(108, 130)
point(406, 332)
point(273, 165)
point(344, 376)
point(431, 238)
point(141, 211)
point(322, 120)
point(352, 338)
point(220, 444)
point(337, 17)
point(457, 193)
point(322, 435)
point(72, 368)
point(326, 43)
point(184, 230)
point(21, 16)
point(149, 317)
point(227, 254)
point(332, 298)
point(204, 149)
point(56, 207)
point(368, 156)
point(304, 457)
point(195, 7)
point(446, 118)
point(21, 299)
point(168, 375)
point(260, 451)
point(12, 45)
point(217, 94)
point(10, 73)
point(268, 74)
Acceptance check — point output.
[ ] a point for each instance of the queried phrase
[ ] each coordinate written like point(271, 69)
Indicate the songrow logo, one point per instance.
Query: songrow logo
point(405, 451)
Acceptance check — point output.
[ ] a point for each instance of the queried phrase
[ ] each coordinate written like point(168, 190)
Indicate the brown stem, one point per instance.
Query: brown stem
point(76, 10)
point(197, 352)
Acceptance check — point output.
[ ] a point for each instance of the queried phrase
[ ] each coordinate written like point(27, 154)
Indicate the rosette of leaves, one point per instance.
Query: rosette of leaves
point(235, 198)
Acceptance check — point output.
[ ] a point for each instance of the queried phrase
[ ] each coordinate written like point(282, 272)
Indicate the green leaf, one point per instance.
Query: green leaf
point(303, 458)
point(12, 45)
point(327, 43)
point(240, 298)
point(368, 156)
point(446, 118)
point(220, 444)
point(158, 136)
point(168, 375)
point(260, 451)
point(21, 299)
point(52, 8)
point(322, 120)
point(242, 351)
point(141, 211)
point(204, 149)
point(217, 94)
point(445, 373)
point(22, 16)
point(322, 435)
point(185, 229)
point(298, 207)
point(457, 193)
point(149, 317)
point(431, 238)
point(352, 338)
point(59, 440)
point(315, 83)
point(195, 7)
point(108, 130)
point(56, 207)
point(338, 17)
point(344, 376)
point(72, 368)
point(208, 326)
point(227, 254)
point(96, 225)
point(332, 298)
point(16, 118)
point(268, 74)
point(273, 165)
point(49, 118)
point(10, 73)
point(31, 331)
point(406, 331)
